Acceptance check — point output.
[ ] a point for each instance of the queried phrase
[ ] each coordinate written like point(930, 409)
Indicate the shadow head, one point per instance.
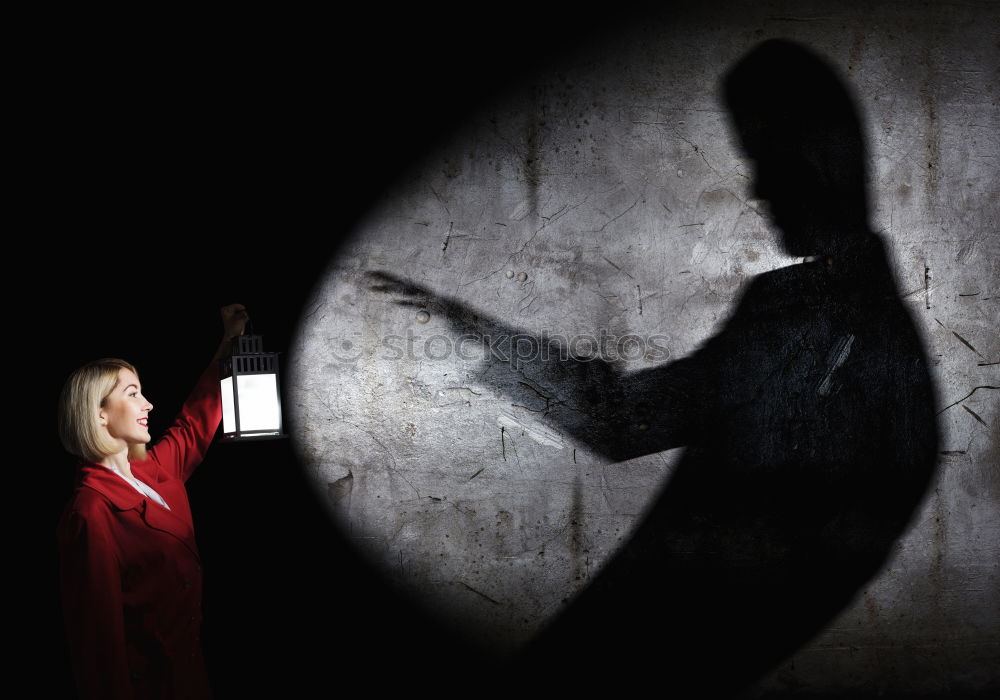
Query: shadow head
point(799, 125)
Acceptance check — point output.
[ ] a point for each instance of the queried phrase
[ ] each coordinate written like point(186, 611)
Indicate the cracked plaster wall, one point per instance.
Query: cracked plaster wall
point(611, 194)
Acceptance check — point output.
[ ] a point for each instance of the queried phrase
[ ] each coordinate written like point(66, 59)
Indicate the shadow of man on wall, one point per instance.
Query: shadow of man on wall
point(808, 423)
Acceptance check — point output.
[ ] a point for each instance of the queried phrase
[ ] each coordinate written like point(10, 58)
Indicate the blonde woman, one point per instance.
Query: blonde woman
point(130, 572)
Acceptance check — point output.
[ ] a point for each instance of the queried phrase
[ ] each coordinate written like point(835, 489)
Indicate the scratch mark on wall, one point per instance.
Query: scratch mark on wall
point(536, 433)
point(975, 415)
point(459, 388)
point(447, 239)
point(604, 490)
point(315, 309)
point(615, 218)
point(544, 397)
point(478, 593)
point(394, 469)
point(439, 199)
point(841, 351)
point(967, 344)
point(927, 287)
point(966, 396)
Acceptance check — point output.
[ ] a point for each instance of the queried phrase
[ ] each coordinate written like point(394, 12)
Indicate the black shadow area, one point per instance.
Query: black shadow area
point(180, 162)
point(807, 423)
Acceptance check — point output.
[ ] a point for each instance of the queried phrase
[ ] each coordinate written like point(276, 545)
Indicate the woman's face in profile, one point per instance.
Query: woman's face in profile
point(125, 412)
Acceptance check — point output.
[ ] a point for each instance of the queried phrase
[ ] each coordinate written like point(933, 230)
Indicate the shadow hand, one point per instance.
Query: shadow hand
point(403, 292)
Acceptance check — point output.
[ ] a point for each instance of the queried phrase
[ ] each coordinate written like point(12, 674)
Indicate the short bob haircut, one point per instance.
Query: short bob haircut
point(84, 393)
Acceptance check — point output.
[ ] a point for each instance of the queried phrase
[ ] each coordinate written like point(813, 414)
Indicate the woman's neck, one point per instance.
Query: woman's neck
point(118, 462)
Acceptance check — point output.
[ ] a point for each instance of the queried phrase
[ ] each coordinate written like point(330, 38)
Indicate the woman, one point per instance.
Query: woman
point(130, 572)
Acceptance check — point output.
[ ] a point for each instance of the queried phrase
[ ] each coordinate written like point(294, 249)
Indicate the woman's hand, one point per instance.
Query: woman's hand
point(234, 320)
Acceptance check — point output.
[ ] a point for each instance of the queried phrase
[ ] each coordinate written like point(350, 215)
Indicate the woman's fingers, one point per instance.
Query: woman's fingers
point(233, 310)
point(234, 319)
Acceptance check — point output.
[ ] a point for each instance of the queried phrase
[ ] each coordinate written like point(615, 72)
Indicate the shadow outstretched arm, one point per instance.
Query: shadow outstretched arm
point(616, 414)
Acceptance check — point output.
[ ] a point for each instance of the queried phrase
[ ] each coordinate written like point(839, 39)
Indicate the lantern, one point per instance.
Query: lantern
point(251, 401)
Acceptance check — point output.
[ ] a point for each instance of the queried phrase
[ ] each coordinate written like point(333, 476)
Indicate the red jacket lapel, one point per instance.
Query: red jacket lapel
point(124, 497)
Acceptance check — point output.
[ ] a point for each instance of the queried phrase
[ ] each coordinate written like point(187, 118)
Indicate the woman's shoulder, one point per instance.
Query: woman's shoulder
point(89, 507)
point(88, 527)
point(86, 504)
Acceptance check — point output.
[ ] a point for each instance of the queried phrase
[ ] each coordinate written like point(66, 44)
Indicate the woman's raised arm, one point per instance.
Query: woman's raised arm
point(183, 446)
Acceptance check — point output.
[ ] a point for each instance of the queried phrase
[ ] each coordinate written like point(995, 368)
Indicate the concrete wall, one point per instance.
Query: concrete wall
point(610, 194)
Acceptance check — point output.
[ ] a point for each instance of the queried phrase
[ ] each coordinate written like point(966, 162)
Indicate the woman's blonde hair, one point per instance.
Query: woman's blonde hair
point(84, 393)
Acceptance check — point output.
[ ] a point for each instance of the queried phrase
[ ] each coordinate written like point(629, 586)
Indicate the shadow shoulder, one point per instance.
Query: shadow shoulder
point(784, 286)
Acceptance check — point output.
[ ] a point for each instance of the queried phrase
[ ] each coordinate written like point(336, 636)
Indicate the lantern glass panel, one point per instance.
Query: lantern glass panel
point(228, 407)
point(259, 407)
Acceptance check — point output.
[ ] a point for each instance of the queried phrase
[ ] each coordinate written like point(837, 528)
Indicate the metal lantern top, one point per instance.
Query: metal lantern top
point(248, 357)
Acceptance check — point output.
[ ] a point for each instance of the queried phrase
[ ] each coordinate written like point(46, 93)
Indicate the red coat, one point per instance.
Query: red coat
point(130, 572)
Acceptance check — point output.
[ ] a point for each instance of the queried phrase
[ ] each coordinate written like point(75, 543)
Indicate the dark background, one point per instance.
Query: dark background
point(183, 162)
